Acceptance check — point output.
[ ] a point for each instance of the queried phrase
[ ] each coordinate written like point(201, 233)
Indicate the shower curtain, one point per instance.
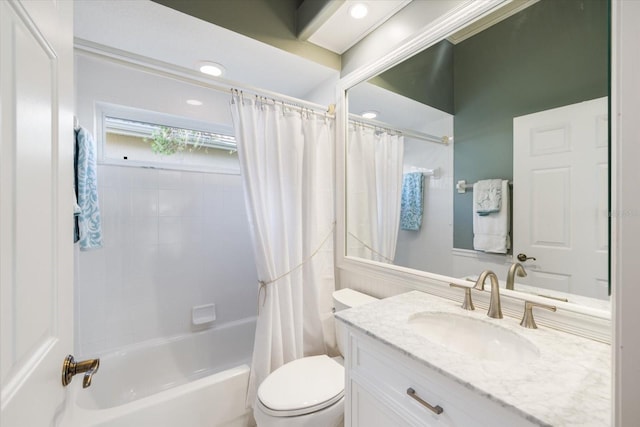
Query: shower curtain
point(374, 189)
point(287, 163)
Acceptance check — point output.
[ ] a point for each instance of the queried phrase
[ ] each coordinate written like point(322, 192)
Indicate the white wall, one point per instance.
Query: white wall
point(173, 239)
point(429, 249)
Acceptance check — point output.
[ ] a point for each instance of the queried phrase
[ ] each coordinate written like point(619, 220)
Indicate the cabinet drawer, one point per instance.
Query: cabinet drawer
point(388, 375)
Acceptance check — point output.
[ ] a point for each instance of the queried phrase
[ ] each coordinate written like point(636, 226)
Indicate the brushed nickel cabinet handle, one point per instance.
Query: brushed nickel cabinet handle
point(435, 409)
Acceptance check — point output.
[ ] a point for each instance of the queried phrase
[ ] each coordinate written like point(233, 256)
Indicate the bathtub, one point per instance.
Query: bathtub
point(197, 380)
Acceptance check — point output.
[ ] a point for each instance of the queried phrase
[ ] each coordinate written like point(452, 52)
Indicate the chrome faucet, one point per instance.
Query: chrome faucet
point(495, 310)
point(516, 268)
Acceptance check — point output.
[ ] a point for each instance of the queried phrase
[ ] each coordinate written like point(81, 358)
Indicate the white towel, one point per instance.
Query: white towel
point(491, 232)
point(487, 196)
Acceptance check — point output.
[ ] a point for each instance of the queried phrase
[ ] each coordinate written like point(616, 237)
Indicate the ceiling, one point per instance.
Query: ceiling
point(148, 29)
point(320, 30)
point(256, 40)
point(291, 47)
point(337, 30)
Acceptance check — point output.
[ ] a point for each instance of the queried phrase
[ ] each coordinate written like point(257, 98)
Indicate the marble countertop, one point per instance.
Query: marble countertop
point(569, 384)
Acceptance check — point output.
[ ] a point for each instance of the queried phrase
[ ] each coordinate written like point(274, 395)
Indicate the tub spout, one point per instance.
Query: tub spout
point(70, 368)
point(88, 375)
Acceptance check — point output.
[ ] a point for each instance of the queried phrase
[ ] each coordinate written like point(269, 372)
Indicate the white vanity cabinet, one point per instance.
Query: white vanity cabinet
point(378, 378)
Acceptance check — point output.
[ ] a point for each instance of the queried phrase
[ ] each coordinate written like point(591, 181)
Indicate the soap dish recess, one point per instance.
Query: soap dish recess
point(203, 314)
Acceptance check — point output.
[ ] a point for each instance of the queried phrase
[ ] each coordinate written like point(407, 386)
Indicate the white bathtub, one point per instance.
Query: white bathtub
point(198, 380)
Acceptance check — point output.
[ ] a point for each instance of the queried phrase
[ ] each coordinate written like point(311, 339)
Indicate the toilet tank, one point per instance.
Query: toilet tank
point(342, 300)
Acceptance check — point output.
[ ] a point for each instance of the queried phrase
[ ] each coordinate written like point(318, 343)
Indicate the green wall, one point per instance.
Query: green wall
point(551, 54)
point(426, 77)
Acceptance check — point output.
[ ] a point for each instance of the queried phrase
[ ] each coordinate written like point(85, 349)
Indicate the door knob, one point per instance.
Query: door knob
point(70, 368)
point(524, 257)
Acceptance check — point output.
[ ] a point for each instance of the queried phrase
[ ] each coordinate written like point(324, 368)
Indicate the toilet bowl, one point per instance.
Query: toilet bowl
point(308, 392)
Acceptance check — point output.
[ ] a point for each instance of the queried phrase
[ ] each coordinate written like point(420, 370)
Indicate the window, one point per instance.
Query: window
point(141, 138)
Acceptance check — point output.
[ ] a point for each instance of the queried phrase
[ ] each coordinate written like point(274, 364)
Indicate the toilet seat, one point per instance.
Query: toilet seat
point(301, 387)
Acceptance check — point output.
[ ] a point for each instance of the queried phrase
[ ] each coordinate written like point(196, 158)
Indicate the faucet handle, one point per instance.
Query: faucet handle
point(467, 304)
point(527, 318)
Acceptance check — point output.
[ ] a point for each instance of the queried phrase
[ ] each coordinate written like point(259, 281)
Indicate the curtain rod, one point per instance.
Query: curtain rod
point(165, 69)
point(355, 118)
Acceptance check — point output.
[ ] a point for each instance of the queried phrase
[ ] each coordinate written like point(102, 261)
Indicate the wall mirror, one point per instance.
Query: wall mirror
point(520, 96)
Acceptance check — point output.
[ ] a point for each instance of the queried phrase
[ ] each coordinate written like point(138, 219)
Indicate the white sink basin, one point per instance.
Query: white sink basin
point(474, 337)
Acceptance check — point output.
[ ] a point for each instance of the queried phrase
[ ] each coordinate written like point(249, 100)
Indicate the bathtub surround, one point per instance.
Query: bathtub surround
point(287, 162)
point(172, 240)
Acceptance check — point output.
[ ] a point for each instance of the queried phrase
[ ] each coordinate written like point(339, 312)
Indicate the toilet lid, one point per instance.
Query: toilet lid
point(303, 386)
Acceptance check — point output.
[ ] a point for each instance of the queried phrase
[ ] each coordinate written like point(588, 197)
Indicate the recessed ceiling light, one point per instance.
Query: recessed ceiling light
point(358, 11)
point(194, 102)
point(369, 114)
point(211, 68)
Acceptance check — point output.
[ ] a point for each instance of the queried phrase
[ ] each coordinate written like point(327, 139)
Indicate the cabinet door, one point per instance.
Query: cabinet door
point(369, 411)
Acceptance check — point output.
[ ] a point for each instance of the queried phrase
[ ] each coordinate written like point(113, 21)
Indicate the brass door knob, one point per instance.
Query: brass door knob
point(524, 257)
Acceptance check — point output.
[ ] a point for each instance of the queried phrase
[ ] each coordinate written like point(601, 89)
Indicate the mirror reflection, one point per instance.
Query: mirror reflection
point(490, 148)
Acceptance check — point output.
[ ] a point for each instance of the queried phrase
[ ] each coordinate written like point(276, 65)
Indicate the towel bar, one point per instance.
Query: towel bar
point(462, 186)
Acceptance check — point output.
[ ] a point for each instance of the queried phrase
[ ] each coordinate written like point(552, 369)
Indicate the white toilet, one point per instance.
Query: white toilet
point(308, 392)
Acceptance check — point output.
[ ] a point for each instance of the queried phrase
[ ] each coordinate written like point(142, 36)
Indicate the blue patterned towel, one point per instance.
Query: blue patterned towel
point(89, 225)
point(411, 202)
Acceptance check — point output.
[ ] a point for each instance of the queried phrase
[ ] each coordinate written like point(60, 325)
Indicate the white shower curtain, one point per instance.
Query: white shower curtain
point(374, 190)
point(287, 163)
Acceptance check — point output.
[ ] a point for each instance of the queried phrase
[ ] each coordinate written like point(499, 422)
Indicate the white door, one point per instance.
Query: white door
point(560, 197)
point(36, 194)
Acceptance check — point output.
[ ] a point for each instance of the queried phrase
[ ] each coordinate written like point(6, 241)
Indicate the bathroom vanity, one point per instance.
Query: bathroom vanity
point(419, 360)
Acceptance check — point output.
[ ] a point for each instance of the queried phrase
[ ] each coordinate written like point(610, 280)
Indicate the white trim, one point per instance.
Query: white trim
point(490, 20)
point(164, 69)
point(614, 228)
point(470, 11)
point(625, 227)
point(482, 256)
